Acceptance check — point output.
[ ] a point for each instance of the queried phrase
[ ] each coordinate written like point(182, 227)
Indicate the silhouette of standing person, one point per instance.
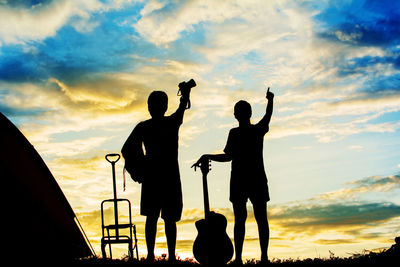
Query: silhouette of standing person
point(248, 179)
point(161, 190)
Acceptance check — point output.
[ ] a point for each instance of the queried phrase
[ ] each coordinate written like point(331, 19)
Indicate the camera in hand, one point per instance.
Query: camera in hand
point(184, 90)
point(184, 87)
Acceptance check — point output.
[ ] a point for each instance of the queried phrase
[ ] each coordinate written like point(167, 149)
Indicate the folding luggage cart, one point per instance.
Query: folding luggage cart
point(111, 232)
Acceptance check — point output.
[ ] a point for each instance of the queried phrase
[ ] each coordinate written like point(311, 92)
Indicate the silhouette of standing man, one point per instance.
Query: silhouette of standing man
point(248, 179)
point(159, 169)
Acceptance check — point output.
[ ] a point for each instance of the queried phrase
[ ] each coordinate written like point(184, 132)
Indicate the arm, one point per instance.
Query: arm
point(264, 122)
point(214, 157)
point(217, 157)
point(182, 105)
point(129, 143)
point(222, 157)
point(185, 99)
point(132, 147)
point(133, 155)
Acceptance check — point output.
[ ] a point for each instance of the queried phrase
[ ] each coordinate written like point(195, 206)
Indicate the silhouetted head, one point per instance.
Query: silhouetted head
point(397, 240)
point(157, 104)
point(242, 111)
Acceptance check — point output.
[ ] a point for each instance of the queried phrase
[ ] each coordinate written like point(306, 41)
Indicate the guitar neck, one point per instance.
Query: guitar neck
point(205, 194)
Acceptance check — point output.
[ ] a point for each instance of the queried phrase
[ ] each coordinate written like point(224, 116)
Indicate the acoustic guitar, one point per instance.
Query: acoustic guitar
point(212, 244)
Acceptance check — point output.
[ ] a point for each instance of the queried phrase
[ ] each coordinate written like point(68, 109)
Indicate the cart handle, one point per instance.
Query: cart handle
point(112, 155)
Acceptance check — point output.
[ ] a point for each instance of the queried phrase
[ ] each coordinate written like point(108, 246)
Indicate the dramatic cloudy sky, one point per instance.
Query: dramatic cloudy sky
point(75, 76)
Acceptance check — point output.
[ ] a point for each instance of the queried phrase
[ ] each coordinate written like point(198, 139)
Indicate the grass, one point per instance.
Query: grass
point(383, 258)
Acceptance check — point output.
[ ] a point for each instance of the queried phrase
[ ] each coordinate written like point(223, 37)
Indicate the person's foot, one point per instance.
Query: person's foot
point(172, 260)
point(150, 258)
point(238, 262)
point(264, 260)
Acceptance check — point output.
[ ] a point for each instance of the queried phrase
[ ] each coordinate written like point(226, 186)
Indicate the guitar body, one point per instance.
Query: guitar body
point(212, 244)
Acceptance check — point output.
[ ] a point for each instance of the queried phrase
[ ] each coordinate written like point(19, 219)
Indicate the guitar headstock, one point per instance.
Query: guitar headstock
point(205, 166)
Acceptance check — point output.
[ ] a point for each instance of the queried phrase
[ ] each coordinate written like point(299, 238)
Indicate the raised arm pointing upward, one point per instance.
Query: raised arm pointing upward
point(244, 148)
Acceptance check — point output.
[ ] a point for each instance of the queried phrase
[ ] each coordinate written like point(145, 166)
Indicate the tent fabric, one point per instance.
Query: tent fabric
point(39, 221)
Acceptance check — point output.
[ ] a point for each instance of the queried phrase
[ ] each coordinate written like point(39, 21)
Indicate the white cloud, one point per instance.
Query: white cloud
point(151, 6)
point(327, 132)
point(227, 81)
point(363, 186)
point(71, 148)
point(356, 147)
point(332, 115)
point(21, 25)
point(301, 147)
point(163, 26)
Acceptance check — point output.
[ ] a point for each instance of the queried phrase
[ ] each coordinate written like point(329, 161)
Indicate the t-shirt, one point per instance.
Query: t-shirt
point(245, 147)
point(161, 186)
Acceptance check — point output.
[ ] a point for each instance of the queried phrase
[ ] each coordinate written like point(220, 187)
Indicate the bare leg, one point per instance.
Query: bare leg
point(170, 232)
point(260, 213)
point(151, 231)
point(240, 212)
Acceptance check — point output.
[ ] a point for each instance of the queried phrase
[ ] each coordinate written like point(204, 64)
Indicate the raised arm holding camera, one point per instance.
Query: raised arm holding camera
point(157, 169)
